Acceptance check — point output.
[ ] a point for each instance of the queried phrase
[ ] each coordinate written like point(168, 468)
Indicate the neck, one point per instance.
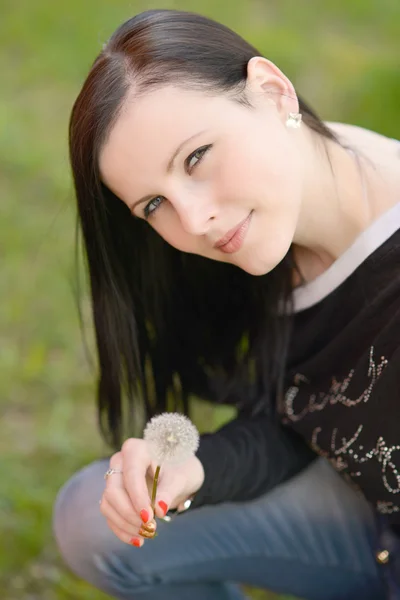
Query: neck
point(335, 207)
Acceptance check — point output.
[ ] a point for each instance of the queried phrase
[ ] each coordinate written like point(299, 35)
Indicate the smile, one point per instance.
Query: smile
point(233, 240)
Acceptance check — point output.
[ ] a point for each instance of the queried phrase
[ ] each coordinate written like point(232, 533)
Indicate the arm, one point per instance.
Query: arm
point(248, 457)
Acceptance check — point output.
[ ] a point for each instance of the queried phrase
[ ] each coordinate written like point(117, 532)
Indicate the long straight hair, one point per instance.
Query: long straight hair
point(170, 324)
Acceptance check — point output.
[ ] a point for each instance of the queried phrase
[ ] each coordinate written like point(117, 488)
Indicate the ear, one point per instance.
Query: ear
point(265, 82)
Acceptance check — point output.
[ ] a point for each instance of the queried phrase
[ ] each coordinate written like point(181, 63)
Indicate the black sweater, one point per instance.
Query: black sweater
point(342, 388)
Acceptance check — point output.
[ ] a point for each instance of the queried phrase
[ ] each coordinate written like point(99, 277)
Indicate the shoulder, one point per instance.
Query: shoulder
point(363, 139)
point(380, 158)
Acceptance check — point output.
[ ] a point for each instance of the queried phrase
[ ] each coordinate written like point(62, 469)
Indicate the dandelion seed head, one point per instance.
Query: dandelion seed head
point(172, 438)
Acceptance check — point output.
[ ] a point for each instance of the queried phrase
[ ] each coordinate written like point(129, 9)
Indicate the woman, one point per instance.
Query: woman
point(186, 145)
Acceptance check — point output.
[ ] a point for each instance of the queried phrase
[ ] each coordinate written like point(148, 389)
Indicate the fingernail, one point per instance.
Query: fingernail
point(144, 515)
point(163, 507)
point(135, 542)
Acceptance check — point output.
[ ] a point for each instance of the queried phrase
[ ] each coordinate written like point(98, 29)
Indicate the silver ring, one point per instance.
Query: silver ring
point(111, 472)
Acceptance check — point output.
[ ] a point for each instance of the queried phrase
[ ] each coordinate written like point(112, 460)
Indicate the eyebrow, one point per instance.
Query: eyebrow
point(170, 166)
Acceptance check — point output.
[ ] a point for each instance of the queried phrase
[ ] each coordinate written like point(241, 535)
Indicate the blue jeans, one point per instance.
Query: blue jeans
point(312, 537)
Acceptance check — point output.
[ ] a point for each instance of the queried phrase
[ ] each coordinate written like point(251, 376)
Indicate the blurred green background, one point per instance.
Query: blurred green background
point(343, 57)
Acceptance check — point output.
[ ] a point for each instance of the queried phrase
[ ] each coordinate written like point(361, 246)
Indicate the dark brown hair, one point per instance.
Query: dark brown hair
point(169, 324)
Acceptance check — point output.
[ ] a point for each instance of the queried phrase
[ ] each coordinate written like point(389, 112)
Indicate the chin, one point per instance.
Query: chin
point(257, 272)
point(259, 267)
point(256, 269)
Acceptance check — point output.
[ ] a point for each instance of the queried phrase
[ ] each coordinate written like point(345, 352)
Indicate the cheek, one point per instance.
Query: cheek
point(167, 224)
point(277, 160)
point(265, 168)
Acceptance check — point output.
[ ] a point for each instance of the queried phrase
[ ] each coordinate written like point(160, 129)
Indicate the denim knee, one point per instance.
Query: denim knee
point(77, 519)
point(87, 545)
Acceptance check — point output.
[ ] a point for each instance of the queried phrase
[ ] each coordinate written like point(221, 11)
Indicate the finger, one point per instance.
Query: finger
point(169, 490)
point(111, 514)
point(136, 462)
point(135, 540)
point(119, 500)
point(115, 480)
point(116, 495)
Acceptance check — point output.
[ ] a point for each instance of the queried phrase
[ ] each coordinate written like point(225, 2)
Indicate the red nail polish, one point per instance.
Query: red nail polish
point(163, 507)
point(144, 515)
point(135, 542)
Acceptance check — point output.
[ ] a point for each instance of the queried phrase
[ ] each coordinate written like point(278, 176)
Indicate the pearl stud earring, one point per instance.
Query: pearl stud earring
point(294, 120)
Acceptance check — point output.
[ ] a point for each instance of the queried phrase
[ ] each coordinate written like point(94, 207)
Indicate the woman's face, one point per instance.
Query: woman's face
point(212, 177)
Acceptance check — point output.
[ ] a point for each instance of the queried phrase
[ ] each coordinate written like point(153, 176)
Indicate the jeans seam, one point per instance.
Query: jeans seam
point(342, 569)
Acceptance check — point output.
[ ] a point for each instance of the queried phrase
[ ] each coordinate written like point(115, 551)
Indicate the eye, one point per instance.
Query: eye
point(152, 206)
point(195, 157)
point(190, 163)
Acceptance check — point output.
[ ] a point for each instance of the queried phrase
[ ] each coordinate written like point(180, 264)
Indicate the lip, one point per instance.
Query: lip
point(233, 240)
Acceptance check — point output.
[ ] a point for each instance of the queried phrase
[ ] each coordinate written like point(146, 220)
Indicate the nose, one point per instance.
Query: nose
point(195, 212)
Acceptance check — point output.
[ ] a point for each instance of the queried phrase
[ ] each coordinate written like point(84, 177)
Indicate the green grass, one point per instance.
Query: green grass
point(343, 57)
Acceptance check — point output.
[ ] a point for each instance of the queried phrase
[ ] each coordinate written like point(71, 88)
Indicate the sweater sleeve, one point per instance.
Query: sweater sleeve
point(248, 457)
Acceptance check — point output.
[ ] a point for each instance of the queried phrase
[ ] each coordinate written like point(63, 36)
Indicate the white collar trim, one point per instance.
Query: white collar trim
point(366, 243)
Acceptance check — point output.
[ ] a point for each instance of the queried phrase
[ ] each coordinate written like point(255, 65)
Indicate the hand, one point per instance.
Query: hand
point(126, 501)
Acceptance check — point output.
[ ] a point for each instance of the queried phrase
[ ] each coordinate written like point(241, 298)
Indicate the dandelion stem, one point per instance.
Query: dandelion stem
point(154, 490)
